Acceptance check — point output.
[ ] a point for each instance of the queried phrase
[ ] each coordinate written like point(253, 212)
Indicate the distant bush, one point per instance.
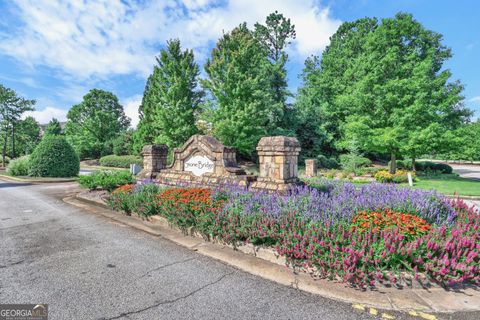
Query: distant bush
point(107, 180)
point(424, 166)
point(327, 163)
point(54, 157)
point(444, 168)
point(401, 176)
point(18, 167)
point(7, 160)
point(352, 163)
point(120, 161)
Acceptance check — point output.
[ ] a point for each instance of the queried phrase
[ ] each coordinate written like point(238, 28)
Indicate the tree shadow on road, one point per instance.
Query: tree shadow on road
point(13, 184)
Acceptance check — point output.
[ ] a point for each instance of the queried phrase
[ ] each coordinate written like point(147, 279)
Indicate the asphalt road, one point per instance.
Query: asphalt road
point(88, 267)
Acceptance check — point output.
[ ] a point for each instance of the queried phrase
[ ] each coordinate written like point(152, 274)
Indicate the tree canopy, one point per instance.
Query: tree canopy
point(12, 106)
point(171, 99)
point(237, 75)
point(94, 123)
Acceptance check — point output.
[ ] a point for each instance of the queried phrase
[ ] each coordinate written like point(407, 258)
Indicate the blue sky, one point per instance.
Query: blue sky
point(55, 51)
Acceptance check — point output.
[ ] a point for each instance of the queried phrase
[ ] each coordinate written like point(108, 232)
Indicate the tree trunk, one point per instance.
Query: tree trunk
point(413, 165)
point(4, 151)
point(13, 141)
point(393, 163)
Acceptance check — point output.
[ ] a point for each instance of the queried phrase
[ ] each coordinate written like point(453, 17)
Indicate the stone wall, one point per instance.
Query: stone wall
point(203, 160)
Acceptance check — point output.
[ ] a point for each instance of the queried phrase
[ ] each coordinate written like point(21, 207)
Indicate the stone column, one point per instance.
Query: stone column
point(278, 157)
point(311, 168)
point(154, 160)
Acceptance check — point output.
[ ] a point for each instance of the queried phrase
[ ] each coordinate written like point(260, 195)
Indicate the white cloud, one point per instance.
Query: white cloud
point(475, 100)
point(130, 106)
point(44, 116)
point(102, 38)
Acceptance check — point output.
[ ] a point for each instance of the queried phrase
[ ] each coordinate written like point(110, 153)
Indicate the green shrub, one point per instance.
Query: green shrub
point(327, 163)
point(120, 161)
point(7, 160)
point(18, 167)
point(358, 161)
point(444, 168)
point(54, 157)
point(107, 180)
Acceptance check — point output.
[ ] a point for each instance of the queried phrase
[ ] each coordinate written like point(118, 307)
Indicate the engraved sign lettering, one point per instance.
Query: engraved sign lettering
point(199, 165)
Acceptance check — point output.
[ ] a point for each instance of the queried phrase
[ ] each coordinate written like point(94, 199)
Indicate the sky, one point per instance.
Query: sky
point(56, 51)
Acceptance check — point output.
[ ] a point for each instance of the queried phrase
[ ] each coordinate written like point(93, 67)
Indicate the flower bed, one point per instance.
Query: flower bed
point(376, 233)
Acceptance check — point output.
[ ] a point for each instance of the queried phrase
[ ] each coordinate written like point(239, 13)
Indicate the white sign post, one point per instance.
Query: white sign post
point(198, 165)
point(410, 180)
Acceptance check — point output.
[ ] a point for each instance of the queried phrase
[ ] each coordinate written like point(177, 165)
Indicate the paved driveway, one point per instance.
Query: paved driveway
point(467, 171)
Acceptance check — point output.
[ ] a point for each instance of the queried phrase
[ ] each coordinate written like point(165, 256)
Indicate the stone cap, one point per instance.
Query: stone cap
point(154, 149)
point(278, 143)
point(212, 143)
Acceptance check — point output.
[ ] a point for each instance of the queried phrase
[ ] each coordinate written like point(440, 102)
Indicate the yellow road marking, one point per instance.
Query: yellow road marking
point(387, 316)
point(427, 316)
point(359, 306)
point(373, 311)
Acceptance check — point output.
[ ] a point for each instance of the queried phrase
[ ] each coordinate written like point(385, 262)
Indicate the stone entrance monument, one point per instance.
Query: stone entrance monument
point(278, 158)
point(203, 160)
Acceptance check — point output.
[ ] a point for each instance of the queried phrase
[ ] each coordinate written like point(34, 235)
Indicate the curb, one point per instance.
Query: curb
point(409, 300)
point(15, 179)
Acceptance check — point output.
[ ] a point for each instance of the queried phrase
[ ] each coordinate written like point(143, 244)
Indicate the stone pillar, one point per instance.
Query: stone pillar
point(311, 168)
point(278, 157)
point(154, 160)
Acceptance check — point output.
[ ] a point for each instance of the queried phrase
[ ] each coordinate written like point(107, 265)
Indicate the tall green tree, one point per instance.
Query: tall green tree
point(28, 135)
point(310, 116)
point(54, 128)
point(275, 36)
point(171, 99)
point(238, 73)
point(94, 123)
point(390, 88)
point(12, 107)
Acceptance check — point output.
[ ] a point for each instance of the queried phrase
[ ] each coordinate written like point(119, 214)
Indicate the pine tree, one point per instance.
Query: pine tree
point(275, 36)
point(53, 127)
point(238, 82)
point(171, 99)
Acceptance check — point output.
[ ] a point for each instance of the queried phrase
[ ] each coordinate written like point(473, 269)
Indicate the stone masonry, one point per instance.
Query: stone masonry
point(311, 168)
point(278, 158)
point(154, 160)
point(203, 160)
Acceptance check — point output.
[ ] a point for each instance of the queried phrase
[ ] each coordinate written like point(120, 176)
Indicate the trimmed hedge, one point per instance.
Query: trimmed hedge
point(107, 180)
point(54, 157)
point(18, 166)
point(423, 166)
point(120, 161)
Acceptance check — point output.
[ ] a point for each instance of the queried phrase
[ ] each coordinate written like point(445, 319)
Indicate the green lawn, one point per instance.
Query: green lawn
point(449, 184)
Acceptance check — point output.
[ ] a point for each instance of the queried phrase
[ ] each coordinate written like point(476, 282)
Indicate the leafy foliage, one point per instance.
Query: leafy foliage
point(238, 73)
point(94, 123)
point(18, 166)
point(120, 161)
point(275, 36)
point(53, 128)
point(171, 99)
point(12, 107)
point(107, 180)
point(54, 157)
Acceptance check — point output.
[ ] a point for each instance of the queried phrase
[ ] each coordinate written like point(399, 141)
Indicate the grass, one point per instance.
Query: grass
point(449, 184)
